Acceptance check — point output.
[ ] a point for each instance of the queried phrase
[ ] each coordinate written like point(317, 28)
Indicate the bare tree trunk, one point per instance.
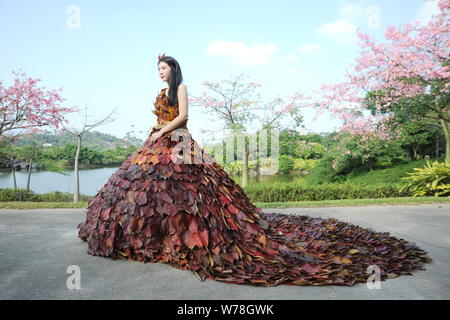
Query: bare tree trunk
point(79, 134)
point(76, 193)
point(13, 168)
point(29, 173)
point(258, 159)
point(370, 164)
point(257, 166)
point(437, 145)
point(446, 128)
point(415, 152)
point(245, 170)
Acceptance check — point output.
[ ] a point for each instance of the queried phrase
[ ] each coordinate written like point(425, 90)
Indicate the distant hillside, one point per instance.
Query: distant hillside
point(94, 140)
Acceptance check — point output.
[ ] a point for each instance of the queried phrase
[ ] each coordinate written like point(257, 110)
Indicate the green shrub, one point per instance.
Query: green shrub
point(308, 150)
point(323, 172)
point(18, 194)
point(433, 179)
point(395, 161)
point(286, 164)
point(281, 192)
point(56, 196)
point(11, 194)
point(236, 168)
point(304, 164)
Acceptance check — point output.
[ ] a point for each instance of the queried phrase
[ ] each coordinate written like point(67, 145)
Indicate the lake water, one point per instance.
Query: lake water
point(92, 180)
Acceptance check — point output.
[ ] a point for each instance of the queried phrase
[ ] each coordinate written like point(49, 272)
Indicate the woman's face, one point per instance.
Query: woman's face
point(164, 71)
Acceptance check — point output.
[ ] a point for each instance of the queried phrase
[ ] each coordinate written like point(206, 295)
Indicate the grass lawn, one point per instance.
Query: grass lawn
point(354, 202)
point(299, 204)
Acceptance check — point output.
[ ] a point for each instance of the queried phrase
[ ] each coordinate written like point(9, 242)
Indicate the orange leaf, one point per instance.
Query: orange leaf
point(262, 239)
point(233, 225)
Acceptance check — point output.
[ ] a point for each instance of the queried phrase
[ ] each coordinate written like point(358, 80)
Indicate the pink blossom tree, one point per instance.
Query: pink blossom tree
point(25, 108)
point(413, 63)
point(236, 102)
point(233, 101)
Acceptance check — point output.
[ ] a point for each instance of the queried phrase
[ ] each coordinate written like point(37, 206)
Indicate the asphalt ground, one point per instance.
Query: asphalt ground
point(40, 254)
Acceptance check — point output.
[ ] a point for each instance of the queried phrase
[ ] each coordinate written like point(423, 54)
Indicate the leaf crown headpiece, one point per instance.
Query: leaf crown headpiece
point(160, 56)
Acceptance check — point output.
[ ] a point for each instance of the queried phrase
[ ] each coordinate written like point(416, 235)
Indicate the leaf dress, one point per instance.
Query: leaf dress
point(163, 206)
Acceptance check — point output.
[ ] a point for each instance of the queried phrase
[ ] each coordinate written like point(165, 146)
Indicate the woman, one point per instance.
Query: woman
point(171, 202)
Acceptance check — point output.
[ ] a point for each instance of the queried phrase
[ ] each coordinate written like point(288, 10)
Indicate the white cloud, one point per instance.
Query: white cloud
point(242, 53)
point(352, 14)
point(351, 11)
point(427, 10)
point(342, 30)
point(310, 48)
point(290, 57)
point(285, 64)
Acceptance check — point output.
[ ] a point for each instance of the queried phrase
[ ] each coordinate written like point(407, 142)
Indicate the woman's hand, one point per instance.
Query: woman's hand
point(156, 136)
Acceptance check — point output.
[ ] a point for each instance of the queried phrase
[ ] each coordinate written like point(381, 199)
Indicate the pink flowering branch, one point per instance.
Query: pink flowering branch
point(414, 61)
point(25, 106)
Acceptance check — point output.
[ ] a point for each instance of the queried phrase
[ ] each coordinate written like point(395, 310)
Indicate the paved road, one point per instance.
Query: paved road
point(37, 246)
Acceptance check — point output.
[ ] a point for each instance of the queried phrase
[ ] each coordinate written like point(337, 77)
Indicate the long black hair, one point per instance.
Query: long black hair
point(175, 78)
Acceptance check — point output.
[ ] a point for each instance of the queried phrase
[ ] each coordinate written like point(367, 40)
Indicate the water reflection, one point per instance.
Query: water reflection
point(92, 180)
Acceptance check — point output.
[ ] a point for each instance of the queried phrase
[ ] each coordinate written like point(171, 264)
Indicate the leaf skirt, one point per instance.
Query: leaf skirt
point(171, 202)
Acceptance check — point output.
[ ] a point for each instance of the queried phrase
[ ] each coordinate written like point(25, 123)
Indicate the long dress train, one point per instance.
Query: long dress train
point(163, 206)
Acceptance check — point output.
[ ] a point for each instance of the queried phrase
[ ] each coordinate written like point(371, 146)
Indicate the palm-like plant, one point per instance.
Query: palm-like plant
point(433, 179)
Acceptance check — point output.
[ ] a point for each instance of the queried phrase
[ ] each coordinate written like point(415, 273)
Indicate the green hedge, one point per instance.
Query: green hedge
point(279, 192)
point(11, 194)
point(18, 195)
point(274, 192)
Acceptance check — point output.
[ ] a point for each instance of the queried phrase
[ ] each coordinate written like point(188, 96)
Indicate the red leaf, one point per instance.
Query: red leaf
point(172, 223)
point(171, 209)
point(132, 225)
point(251, 228)
point(105, 213)
point(197, 239)
point(188, 241)
point(102, 229)
point(141, 198)
point(310, 269)
point(165, 197)
point(205, 237)
point(228, 257)
point(193, 225)
point(232, 209)
point(124, 184)
point(216, 250)
point(225, 199)
point(148, 211)
point(233, 225)
point(176, 239)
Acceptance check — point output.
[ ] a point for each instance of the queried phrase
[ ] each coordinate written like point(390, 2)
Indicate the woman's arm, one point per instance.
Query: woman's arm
point(182, 109)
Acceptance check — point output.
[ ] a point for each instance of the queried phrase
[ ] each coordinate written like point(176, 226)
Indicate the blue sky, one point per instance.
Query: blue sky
point(107, 58)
